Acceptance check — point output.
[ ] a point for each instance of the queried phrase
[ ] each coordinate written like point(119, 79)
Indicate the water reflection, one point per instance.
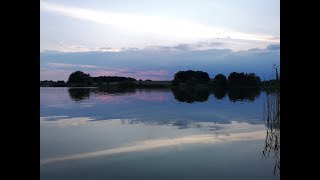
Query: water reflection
point(83, 124)
point(78, 94)
point(190, 94)
point(219, 92)
point(181, 94)
point(243, 94)
point(156, 106)
point(272, 119)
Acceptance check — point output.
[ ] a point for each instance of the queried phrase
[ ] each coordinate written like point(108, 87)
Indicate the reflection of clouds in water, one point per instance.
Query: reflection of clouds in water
point(70, 106)
point(49, 118)
point(233, 127)
point(62, 122)
point(61, 106)
point(86, 105)
point(160, 143)
point(217, 128)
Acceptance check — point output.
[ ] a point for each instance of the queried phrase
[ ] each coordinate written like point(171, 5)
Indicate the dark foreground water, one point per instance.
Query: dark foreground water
point(153, 134)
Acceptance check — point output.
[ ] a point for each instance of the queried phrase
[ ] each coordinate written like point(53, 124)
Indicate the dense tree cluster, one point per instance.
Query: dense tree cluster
point(190, 77)
point(220, 80)
point(79, 78)
point(243, 79)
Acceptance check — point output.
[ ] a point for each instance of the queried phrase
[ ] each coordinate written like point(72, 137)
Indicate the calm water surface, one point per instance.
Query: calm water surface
point(153, 134)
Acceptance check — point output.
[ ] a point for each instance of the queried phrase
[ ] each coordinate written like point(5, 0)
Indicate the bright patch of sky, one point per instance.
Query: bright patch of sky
point(105, 25)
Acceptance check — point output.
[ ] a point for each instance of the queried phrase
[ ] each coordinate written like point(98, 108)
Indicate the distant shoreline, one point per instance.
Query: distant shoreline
point(156, 85)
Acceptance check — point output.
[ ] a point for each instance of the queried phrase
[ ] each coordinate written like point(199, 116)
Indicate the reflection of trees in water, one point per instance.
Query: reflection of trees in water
point(191, 94)
point(78, 94)
point(243, 94)
point(271, 116)
point(219, 92)
point(188, 94)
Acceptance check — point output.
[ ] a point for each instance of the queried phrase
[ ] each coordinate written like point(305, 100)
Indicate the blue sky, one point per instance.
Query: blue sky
point(152, 38)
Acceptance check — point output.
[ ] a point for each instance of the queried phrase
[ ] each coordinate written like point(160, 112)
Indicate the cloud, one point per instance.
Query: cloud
point(159, 25)
point(182, 47)
point(159, 62)
point(64, 65)
point(107, 49)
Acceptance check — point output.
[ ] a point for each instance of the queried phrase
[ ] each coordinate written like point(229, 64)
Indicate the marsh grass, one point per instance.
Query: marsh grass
point(271, 116)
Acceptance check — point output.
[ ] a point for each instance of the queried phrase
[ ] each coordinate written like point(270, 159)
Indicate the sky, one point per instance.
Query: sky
point(152, 39)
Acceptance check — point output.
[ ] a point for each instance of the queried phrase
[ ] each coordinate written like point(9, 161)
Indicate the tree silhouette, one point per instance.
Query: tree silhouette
point(243, 79)
point(220, 80)
point(79, 78)
point(190, 77)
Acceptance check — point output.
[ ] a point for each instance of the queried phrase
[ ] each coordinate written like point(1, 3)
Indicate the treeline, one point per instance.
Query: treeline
point(181, 78)
point(50, 83)
point(81, 79)
point(108, 79)
point(243, 79)
point(199, 77)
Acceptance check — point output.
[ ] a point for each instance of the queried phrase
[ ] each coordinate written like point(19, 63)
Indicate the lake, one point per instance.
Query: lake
point(86, 133)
